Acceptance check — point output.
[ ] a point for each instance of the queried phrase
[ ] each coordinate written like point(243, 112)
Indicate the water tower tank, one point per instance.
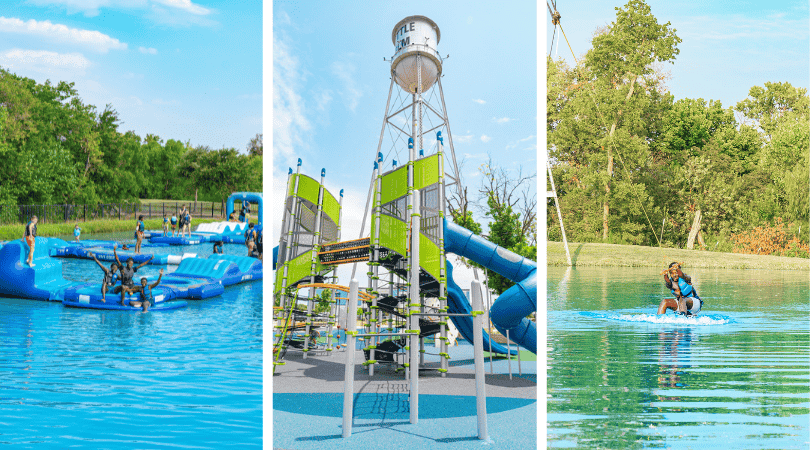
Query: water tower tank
point(416, 35)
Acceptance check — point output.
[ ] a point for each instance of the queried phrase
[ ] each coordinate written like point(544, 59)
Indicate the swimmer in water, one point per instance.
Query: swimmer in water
point(686, 301)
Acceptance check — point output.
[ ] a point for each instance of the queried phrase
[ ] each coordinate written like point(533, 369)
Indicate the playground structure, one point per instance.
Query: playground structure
point(410, 282)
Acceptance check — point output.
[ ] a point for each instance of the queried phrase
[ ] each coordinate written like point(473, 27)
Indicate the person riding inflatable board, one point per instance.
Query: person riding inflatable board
point(686, 301)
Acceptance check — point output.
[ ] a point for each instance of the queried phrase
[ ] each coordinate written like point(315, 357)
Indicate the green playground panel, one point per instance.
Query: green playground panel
point(331, 207)
point(429, 256)
point(308, 189)
point(298, 268)
point(426, 171)
point(394, 185)
point(393, 234)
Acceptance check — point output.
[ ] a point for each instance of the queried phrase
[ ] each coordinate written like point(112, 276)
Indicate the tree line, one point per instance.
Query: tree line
point(633, 165)
point(58, 150)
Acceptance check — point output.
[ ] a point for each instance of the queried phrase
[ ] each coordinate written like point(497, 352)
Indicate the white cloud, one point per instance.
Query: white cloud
point(322, 99)
point(44, 62)
point(502, 120)
point(463, 139)
point(90, 8)
point(149, 51)
point(57, 32)
point(350, 93)
point(479, 101)
point(185, 5)
point(485, 138)
point(289, 118)
point(527, 138)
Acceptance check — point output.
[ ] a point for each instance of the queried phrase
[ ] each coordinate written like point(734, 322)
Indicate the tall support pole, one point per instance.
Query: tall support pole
point(374, 264)
point(553, 194)
point(442, 260)
point(334, 312)
point(457, 173)
point(414, 308)
point(316, 242)
point(373, 177)
point(489, 321)
point(348, 377)
point(289, 232)
point(478, 349)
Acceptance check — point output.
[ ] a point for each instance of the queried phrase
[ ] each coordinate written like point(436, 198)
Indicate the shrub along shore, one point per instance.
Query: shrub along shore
point(613, 255)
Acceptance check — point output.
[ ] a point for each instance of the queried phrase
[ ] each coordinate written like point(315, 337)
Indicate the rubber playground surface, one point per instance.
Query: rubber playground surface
point(308, 404)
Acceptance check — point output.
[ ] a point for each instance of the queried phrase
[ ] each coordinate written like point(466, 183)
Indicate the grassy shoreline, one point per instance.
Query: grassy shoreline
point(613, 255)
point(12, 232)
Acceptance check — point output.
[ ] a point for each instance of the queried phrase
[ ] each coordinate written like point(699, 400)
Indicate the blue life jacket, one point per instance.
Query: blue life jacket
point(686, 288)
point(146, 294)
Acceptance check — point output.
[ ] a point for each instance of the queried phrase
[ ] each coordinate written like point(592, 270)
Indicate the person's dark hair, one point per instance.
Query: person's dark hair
point(113, 266)
point(673, 264)
point(140, 217)
point(130, 259)
point(218, 243)
point(143, 279)
point(250, 226)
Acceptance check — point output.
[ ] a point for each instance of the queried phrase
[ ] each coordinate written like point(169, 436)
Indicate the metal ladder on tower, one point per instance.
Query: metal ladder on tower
point(553, 194)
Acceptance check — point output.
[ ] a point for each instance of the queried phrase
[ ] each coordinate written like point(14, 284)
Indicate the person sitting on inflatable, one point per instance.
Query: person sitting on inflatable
point(145, 291)
point(686, 301)
point(110, 277)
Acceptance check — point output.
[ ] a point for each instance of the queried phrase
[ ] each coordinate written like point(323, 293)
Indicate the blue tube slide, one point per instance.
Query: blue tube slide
point(252, 197)
point(509, 311)
point(457, 304)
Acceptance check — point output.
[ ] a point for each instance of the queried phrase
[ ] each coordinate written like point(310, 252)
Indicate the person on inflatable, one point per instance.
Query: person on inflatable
point(165, 225)
point(77, 232)
point(127, 273)
point(145, 291)
point(218, 247)
point(174, 224)
point(244, 214)
point(139, 231)
point(250, 239)
point(110, 277)
point(30, 238)
point(686, 301)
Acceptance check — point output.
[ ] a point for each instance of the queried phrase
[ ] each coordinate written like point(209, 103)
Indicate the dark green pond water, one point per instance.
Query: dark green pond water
point(735, 377)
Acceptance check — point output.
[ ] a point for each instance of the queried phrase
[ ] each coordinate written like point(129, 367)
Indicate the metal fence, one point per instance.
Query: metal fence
point(10, 214)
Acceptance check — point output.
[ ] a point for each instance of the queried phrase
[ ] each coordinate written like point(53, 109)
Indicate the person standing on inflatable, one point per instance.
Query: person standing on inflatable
point(139, 230)
point(174, 224)
point(244, 214)
point(30, 238)
point(686, 300)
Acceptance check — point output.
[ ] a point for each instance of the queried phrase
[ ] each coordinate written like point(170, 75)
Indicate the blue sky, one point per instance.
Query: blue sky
point(727, 48)
point(190, 71)
point(331, 84)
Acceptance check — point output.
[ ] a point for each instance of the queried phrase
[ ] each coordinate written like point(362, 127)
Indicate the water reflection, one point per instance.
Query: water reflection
point(619, 383)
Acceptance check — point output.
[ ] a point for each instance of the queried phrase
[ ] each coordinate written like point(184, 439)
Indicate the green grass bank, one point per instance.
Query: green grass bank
point(11, 232)
point(613, 255)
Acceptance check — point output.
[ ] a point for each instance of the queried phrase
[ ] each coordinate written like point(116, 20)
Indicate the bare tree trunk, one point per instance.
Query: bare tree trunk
point(606, 212)
point(690, 244)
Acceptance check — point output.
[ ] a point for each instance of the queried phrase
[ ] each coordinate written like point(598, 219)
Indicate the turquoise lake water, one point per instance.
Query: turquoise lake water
point(737, 377)
point(189, 378)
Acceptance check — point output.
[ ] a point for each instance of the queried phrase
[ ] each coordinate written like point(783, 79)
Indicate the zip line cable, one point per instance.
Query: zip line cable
point(555, 16)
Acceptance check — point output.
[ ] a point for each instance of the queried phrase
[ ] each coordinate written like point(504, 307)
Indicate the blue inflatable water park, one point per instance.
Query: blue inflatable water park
point(188, 276)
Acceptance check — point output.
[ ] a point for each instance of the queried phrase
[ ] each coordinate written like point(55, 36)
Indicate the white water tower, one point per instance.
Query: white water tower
point(415, 39)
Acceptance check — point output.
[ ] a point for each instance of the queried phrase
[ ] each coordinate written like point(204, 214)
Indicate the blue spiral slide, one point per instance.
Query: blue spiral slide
point(509, 311)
